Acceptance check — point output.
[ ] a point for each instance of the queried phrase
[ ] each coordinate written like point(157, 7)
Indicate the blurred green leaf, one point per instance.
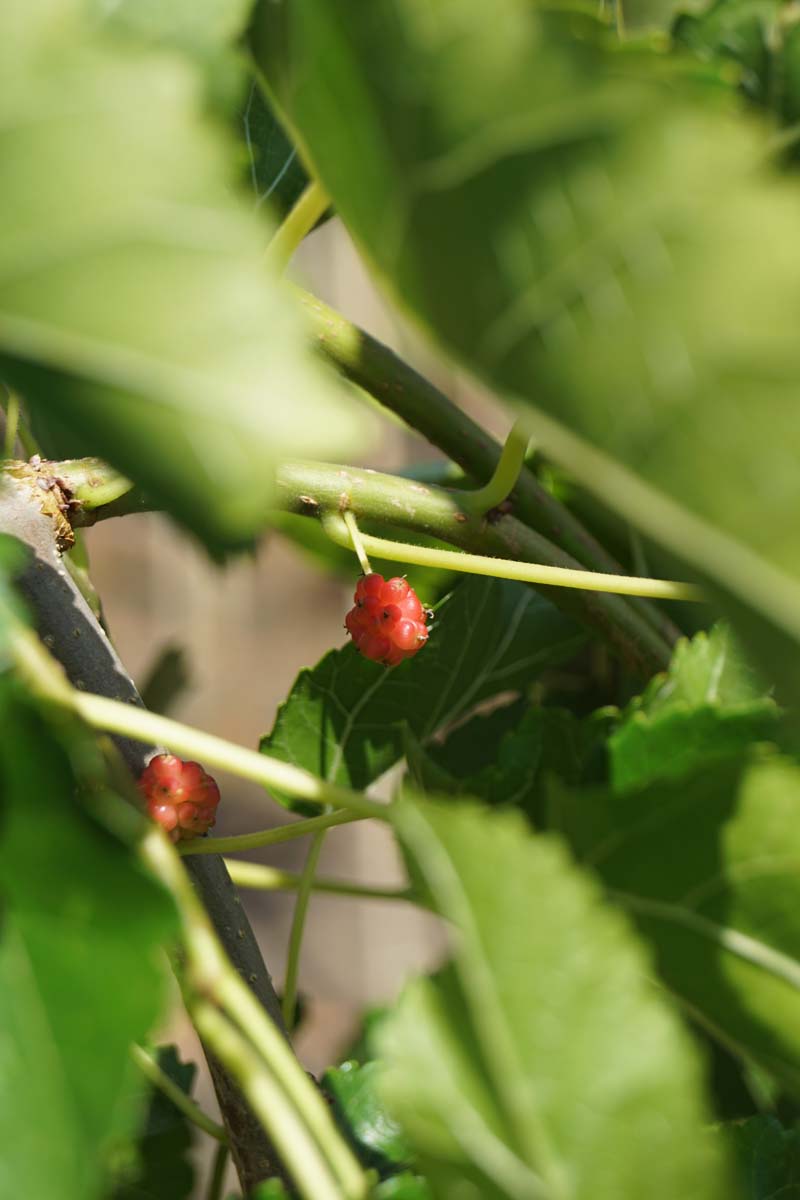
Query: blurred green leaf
point(345, 718)
point(708, 705)
point(709, 867)
point(13, 556)
point(405, 1186)
point(377, 1139)
point(541, 1062)
point(162, 1169)
point(80, 971)
point(768, 1157)
point(596, 232)
point(136, 314)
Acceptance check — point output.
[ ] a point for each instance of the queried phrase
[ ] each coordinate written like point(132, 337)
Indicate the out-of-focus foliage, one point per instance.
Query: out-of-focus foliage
point(596, 231)
point(137, 317)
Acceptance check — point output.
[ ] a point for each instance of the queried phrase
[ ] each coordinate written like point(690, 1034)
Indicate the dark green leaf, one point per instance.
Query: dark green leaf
point(277, 174)
point(377, 1139)
point(136, 317)
point(161, 1169)
point(708, 705)
point(545, 741)
point(597, 234)
point(768, 1158)
point(345, 719)
point(709, 866)
point(80, 973)
point(542, 1063)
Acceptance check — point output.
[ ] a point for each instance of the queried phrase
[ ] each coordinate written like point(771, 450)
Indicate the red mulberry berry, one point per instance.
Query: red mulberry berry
point(387, 623)
point(180, 796)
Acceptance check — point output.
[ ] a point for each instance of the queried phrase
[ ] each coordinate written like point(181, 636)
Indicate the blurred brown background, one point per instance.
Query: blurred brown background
point(247, 630)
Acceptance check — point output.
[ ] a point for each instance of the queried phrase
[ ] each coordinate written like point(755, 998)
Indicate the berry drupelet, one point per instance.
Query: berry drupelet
point(180, 796)
point(387, 622)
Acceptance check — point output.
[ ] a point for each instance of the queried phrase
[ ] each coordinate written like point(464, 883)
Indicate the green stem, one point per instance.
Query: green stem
point(115, 717)
point(298, 222)
point(506, 473)
point(378, 370)
point(92, 482)
point(270, 837)
point(523, 572)
point(272, 879)
point(355, 537)
point(304, 889)
point(216, 1181)
point(302, 1129)
point(193, 1112)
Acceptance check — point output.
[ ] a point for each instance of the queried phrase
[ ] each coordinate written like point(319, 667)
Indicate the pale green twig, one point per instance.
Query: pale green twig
point(502, 568)
point(270, 837)
point(116, 717)
point(299, 221)
point(268, 879)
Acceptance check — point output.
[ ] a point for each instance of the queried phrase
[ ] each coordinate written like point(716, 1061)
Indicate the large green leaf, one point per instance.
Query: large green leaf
point(81, 976)
point(707, 705)
point(596, 234)
point(345, 719)
point(709, 866)
point(541, 1063)
point(137, 317)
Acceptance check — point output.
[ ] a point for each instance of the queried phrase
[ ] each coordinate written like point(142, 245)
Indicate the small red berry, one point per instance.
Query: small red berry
point(180, 796)
point(387, 622)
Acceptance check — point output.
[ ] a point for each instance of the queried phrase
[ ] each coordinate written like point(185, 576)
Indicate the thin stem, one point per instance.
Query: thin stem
point(302, 1129)
point(273, 879)
point(269, 837)
point(505, 476)
point(116, 717)
point(304, 889)
point(151, 1069)
point(355, 537)
point(12, 425)
point(501, 568)
point(299, 221)
point(216, 1180)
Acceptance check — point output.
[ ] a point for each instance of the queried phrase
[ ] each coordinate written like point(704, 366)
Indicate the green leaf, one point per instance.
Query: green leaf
point(545, 741)
point(405, 1186)
point(80, 970)
point(136, 315)
point(377, 1139)
point(345, 719)
point(768, 1157)
point(541, 1063)
point(708, 705)
point(597, 234)
point(162, 1169)
point(277, 174)
point(709, 867)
